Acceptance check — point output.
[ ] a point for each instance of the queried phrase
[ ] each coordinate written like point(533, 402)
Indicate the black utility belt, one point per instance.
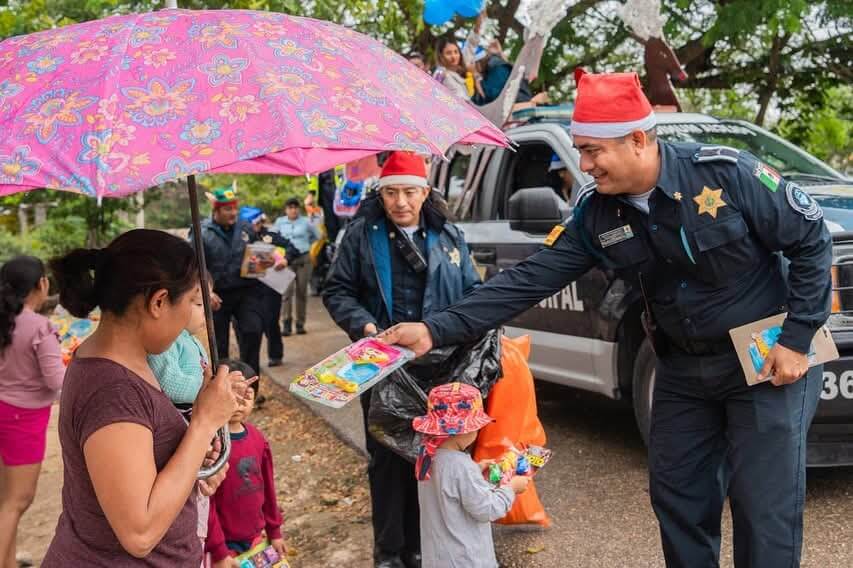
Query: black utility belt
point(698, 347)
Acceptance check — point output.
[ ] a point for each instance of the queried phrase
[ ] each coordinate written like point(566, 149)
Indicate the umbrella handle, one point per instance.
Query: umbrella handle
point(225, 438)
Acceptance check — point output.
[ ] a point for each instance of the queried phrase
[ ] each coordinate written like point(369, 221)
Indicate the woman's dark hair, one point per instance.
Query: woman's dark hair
point(443, 42)
point(18, 278)
point(140, 261)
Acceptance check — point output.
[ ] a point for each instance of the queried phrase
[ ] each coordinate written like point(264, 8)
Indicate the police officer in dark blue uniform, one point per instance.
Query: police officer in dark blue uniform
point(225, 236)
point(703, 232)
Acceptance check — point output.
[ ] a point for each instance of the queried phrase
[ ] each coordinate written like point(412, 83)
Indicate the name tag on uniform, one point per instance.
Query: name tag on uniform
point(618, 235)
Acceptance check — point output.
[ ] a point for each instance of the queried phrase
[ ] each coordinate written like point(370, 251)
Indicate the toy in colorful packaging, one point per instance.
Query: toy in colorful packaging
point(344, 375)
point(72, 330)
point(255, 257)
point(517, 462)
point(261, 555)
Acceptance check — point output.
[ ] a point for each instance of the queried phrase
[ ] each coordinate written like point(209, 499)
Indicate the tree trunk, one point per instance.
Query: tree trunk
point(505, 17)
point(773, 69)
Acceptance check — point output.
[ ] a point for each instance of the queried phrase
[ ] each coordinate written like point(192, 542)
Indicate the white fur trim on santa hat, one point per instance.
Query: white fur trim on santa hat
point(612, 129)
point(417, 181)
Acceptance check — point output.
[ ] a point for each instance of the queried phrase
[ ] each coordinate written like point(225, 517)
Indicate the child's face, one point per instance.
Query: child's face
point(244, 408)
point(197, 324)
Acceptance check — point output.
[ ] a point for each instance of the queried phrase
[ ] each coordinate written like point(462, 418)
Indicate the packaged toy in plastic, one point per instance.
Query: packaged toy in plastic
point(72, 330)
point(343, 376)
point(517, 462)
point(262, 555)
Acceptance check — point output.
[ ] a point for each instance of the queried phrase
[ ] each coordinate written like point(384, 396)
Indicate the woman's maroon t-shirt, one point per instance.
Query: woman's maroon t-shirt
point(98, 392)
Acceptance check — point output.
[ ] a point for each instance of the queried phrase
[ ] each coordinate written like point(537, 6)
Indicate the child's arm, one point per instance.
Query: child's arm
point(272, 514)
point(480, 499)
point(215, 542)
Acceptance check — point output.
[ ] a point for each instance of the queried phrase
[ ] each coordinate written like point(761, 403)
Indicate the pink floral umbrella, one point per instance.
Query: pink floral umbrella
point(114, 106)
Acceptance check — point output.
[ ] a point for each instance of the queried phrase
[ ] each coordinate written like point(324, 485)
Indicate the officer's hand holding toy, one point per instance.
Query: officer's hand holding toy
point(415, 336)
point(785, 365)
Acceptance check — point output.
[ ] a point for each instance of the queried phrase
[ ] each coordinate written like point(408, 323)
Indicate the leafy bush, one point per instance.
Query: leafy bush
point(13, 245)
point(57, 236)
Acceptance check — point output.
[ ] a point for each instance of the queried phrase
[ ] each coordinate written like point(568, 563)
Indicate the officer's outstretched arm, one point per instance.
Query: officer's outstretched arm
point(514, 290)
point(787, 219)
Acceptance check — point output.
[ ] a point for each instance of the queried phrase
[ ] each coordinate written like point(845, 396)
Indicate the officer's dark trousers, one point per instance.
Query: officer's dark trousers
point(246, 307)
point(712, 436)
point(272, 330)
point(393, 497)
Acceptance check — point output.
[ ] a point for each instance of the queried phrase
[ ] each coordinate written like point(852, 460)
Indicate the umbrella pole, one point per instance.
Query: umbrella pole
point(222, 434)
point(202, 271)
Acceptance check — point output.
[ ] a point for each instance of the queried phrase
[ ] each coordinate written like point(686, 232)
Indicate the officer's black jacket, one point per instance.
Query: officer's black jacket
point(707, 253)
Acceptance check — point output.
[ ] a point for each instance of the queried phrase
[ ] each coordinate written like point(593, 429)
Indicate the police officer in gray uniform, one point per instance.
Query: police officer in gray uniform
point(703, 231)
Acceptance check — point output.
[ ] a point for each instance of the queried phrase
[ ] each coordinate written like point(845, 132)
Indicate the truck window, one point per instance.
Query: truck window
point(532, 167)
point(458, 169)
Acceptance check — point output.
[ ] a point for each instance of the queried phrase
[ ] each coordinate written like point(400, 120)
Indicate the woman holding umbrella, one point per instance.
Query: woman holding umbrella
point(227, 91)
point(129, 460)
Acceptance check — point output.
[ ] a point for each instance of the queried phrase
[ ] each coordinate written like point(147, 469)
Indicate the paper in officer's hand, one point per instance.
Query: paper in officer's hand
point(278, 280)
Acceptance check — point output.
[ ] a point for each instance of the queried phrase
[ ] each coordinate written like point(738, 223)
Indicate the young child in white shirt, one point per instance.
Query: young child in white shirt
point(457, 504)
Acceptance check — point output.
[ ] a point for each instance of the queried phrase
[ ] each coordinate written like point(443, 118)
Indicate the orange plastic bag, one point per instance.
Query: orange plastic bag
point(512, 403)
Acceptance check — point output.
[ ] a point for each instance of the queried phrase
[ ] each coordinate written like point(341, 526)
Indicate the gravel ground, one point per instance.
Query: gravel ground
point(595, 488)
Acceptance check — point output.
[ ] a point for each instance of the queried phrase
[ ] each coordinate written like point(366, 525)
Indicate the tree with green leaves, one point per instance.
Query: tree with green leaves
point(786, 63)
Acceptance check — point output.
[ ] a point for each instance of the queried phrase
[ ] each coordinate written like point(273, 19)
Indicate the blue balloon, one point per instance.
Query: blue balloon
point(438, 12)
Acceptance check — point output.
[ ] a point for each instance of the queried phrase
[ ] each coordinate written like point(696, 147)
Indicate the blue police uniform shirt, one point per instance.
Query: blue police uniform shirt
point(301, 233)
point(408, 286)
point(707, 253)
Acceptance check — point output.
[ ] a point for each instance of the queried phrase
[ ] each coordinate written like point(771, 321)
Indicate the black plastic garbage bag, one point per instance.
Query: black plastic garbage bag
point(402, 396)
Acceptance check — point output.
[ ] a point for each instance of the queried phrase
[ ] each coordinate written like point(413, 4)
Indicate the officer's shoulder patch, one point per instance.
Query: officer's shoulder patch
point(803, 203)
point(554, 234)
point(716, 154)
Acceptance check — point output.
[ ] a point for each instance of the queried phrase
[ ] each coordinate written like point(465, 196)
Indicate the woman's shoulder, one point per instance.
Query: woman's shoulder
point(100, 376)
point(102, 391)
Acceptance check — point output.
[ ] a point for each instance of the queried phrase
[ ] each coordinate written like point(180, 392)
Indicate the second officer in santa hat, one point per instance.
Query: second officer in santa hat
point(400, 260)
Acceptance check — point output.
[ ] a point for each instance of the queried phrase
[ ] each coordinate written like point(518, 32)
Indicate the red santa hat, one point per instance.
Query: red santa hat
point(610, 105)
point(403, 168)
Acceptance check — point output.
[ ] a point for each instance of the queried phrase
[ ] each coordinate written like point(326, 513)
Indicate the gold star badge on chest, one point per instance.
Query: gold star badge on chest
point(677, 195)
point(455, 257)
point(709, 201)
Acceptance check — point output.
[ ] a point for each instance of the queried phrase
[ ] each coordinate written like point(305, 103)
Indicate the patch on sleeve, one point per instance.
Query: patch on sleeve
point(768, 176)
point(803, 203)
point(716, 154)
point(554, 235)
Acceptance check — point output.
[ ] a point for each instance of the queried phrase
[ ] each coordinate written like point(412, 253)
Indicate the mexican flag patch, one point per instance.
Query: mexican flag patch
point(768, 176)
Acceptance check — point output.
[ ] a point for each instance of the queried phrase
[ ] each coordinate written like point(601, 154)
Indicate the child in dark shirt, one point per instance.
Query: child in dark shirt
point(245, 503)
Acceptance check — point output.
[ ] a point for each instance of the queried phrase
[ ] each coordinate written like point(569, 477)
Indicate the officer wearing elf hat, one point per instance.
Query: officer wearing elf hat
point(225, 236)
point(400, 260)
point(699, 230)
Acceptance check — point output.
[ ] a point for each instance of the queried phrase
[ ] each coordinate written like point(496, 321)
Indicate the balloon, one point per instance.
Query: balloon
point(437, 12)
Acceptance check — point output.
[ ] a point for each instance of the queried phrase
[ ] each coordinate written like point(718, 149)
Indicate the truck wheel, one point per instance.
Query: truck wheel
point(643, 387)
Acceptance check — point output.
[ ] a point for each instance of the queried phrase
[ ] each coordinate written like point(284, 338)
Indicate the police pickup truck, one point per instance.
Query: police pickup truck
point(589, 335)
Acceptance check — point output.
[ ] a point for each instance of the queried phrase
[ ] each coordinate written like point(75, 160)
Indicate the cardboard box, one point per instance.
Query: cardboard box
point(754, 340)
